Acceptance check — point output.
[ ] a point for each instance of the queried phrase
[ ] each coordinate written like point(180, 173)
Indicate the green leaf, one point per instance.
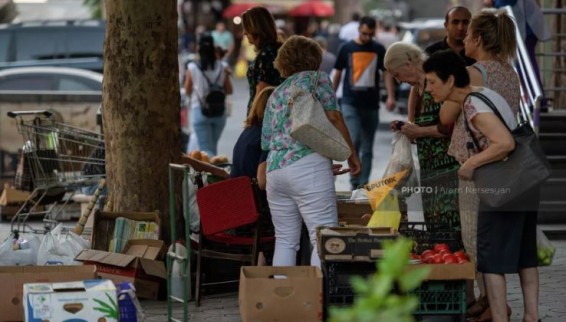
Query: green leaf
point(103, 304)
point(413, 279)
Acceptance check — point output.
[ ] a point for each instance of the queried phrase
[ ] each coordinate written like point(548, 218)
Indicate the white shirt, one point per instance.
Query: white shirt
point(499, 102)
point(200, 85)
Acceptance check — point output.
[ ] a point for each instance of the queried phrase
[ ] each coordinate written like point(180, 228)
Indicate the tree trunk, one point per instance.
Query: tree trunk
point(141, 104)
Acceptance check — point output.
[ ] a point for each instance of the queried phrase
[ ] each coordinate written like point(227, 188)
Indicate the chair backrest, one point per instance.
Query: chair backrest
point(227, 205)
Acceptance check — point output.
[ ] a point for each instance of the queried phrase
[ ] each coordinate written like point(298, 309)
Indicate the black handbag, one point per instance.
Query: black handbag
point(500, 182)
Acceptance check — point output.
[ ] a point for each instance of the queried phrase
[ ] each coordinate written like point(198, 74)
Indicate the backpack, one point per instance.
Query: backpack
point(214, 101)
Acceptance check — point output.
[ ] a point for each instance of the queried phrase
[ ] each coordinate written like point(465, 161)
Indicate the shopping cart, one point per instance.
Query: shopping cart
point(52, 166)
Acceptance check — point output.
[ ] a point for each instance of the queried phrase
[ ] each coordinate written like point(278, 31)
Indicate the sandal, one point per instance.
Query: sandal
point(477, 308)
point(486, 315)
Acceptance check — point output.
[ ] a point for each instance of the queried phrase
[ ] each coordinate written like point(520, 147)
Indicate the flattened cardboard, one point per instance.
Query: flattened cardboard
point(12, 279)
point(352, 243)
point(298, 297)
point(465, 271)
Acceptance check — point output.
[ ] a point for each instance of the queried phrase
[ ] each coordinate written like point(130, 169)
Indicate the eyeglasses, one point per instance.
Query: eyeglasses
point(367, 34)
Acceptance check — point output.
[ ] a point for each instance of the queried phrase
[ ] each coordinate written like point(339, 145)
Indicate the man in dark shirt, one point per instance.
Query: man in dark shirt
point(456, 23)
point(361, 60)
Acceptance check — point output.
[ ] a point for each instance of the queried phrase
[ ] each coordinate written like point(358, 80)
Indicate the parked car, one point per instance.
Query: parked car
point(73, 43)
point(423, 32)
point(50, 79)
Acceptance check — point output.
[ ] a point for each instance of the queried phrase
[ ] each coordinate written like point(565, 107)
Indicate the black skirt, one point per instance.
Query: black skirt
point(506, 236)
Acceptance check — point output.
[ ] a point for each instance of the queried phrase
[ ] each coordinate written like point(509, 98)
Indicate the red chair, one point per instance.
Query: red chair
point(223, 206)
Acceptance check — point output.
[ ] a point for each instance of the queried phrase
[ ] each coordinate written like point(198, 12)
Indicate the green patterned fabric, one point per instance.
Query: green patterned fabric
point(438, 169)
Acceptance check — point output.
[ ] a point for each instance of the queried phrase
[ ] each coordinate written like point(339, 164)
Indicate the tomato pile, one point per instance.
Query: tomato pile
point(441, 254)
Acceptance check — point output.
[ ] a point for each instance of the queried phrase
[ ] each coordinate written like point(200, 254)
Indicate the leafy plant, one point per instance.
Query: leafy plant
point(385, 295)
point(111, 310)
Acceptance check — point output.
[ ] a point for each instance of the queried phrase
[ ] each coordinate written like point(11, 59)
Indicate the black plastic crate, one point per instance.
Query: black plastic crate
point(442, 297)
point(426, 235)
point(337, 275)
point(436, 297)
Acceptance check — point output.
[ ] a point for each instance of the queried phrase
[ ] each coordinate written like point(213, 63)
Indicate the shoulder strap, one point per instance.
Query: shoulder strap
point(483, 71)
point(315, 85)
point(490, 104)
point(219, 73)
point(203, 74)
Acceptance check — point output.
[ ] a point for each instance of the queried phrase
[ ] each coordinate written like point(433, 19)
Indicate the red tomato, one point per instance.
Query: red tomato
point(437, 259)
point(462, 260)
point(444, 255)
point(440, 247)
point(461, 254)
point(426, 254)
point(450, 259)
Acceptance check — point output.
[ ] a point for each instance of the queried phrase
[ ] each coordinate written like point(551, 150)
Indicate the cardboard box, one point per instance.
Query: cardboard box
point(139, 264)
point(448, 272)
point(89, 300)
point(104, 223)
point(352, 243)
point(13, 278)
point(12, 196)
point(350, 212)
point(296, 297)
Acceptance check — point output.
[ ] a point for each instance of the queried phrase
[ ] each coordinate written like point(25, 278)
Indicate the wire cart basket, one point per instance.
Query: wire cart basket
point(56, 160)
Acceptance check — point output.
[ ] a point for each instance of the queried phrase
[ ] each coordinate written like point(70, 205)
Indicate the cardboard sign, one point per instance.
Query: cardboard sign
point(295, 295)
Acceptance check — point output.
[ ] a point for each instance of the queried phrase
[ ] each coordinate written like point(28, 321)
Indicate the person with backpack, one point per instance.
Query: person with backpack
point(208, 82)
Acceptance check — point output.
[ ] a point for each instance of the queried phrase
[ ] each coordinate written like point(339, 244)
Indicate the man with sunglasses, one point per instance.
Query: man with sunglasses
point(361, 61)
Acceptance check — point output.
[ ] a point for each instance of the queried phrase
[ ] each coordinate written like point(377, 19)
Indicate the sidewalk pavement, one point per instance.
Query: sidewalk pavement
point(224, 307)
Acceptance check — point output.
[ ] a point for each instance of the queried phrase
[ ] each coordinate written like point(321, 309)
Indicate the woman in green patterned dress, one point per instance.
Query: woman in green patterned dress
point(438, 169)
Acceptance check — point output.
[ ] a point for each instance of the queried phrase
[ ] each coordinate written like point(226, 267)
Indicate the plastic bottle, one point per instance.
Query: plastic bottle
point(129, 307)
point(176, 272)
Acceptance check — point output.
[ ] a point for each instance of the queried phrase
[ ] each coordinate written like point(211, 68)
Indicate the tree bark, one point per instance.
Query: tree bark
point(141, 104)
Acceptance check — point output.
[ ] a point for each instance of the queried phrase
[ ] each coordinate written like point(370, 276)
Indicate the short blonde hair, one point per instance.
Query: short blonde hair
point(298, 54)
point(255, 117)
point(401, 53)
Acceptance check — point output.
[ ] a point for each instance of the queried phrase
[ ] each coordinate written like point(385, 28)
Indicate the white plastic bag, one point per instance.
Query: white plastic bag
point(60, 249)
point(402, 160)
point(19, 256)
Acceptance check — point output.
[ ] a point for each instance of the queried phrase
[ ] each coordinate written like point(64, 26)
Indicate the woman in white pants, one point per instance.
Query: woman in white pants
point(300, 182)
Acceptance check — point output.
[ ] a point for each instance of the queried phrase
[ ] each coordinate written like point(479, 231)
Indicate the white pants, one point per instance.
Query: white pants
point(302, 191)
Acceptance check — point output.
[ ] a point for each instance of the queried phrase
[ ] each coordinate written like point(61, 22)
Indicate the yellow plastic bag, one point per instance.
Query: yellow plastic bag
point(241, 68)
point(387, 212)
point(378, 189)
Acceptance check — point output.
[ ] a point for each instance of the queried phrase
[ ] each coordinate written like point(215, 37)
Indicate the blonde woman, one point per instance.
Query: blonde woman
point(404, 62)
point(492, 42)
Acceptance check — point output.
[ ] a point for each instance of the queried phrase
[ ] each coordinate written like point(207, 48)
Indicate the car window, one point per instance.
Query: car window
point(69, 83)
point(28, 82)
point(39, 45)
point(85, 43)
point(4, 45)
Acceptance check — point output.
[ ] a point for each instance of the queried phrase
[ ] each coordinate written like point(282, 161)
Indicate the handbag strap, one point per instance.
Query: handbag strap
point(490, 104)
point(315, 84)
